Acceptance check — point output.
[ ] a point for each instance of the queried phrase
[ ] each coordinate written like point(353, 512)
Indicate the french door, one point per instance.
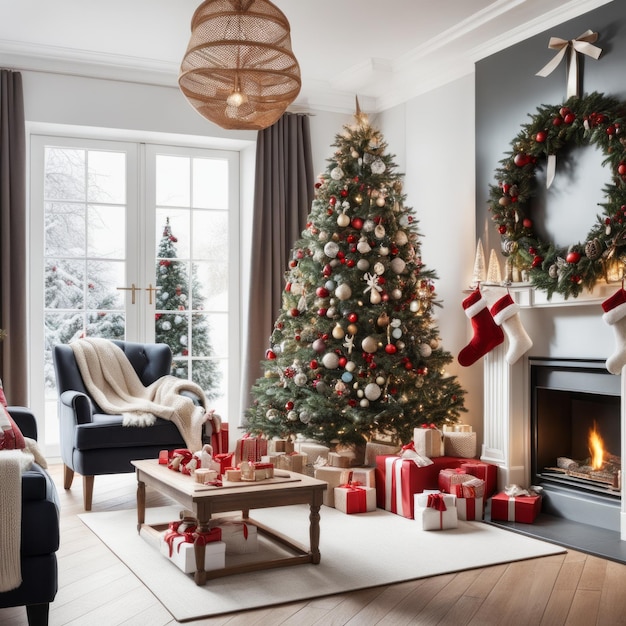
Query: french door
point(138, 242)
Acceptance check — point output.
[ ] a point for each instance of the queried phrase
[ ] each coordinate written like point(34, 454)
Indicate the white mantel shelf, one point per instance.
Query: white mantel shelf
point(528, 296)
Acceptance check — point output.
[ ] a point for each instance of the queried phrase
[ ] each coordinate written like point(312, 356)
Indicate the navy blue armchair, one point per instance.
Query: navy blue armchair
point(94, 443)
point(39, 537)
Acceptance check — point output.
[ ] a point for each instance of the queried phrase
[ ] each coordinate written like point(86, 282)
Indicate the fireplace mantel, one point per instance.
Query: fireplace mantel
point(506, 435)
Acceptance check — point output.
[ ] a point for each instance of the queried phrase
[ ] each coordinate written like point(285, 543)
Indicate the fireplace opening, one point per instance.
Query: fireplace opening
point(575, 420)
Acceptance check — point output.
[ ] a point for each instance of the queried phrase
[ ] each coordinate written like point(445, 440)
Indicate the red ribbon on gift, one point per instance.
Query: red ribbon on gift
point(436, 501)
point(171, 534)
point(433, 426)
point(409, 446)
point(180, 459)
point(356, 498)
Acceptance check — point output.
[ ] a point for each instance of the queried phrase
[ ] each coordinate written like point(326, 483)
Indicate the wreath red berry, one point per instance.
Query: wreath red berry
point(591, 120)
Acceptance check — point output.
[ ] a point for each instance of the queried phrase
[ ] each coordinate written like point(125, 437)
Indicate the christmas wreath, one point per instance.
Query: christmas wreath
point(592, 120)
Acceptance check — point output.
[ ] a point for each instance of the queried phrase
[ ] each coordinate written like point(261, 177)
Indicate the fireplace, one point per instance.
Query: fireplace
point(575, 419)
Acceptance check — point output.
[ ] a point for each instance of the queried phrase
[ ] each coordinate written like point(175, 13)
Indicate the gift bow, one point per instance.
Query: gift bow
point(436, 501)
point(584, 44)
point(515, 491)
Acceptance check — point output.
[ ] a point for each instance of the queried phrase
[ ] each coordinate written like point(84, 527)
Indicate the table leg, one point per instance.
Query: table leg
point(199, 548)
point(314, 533)
point(141, 504)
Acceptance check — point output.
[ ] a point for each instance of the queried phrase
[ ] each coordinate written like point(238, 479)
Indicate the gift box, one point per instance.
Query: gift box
point(487, 472)
point(397, 481)
point(238, 536)
point(219, 441)
point(335, 459)
point(457, 428)
point(419, 477)
point(223, 462)
point(256, 471)
point(470, 509)
point(472, 488)
point(374, 449)
point(459, 444)
point(436, 510)
point(365, 476)
point(280, 445)
point(250, 449)
point(334, 476)
point(351, 498)
point(450, 477)
point(515, 508)
point(179, 548)
point(312, 449)
point(428, 441)
point(292, 462)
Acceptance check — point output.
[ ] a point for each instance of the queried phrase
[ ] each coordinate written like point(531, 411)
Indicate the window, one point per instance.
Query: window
point(139, 242)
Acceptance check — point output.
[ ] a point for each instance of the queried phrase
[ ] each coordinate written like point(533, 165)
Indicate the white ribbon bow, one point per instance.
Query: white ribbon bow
point(584, 44)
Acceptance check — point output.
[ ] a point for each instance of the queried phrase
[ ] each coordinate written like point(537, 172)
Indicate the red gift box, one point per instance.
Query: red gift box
point(225, 461)
point(219, 441)
point(515, 508)
point(450, 477)
point(418, 478)
point(250, 449)
point(351, 498)
point(485, 471)
point(470, 508)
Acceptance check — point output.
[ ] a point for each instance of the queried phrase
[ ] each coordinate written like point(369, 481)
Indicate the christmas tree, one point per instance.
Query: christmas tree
point(180, 329)
point(355, 354)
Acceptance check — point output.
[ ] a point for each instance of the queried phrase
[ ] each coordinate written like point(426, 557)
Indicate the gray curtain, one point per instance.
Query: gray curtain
point(284, 190)
point(13, 245)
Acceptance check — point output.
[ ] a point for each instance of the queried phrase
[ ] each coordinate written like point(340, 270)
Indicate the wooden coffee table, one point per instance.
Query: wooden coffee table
point(204, 500)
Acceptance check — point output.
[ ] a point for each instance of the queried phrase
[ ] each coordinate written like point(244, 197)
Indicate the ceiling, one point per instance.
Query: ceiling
point(384, 51)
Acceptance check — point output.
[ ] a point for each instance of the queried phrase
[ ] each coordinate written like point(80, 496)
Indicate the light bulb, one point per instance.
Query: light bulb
point(236, 99)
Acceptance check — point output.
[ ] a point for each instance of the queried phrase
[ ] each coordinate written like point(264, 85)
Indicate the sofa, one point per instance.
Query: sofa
point(39, 537)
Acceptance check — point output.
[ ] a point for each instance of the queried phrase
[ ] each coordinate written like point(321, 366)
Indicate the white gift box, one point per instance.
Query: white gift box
point(184, 557)
point(432, 519)
point(239, 537)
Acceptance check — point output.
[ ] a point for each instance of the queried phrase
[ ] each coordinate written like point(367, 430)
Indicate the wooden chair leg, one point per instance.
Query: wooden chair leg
point(87, 491)
point(68, 477)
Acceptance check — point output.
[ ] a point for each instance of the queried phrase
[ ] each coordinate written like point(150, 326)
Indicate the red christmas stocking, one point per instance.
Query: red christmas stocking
point(615, 315)
point(505, 313)
point(487, 334)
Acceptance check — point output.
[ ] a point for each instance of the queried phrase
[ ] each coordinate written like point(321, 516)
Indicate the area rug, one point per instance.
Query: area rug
point(358, 551)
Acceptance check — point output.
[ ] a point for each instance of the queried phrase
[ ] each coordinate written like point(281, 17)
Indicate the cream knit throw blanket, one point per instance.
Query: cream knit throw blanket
point(12, 464)
point(115, 386)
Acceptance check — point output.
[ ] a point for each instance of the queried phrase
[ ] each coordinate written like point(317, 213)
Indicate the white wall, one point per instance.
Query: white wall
point(432, 137)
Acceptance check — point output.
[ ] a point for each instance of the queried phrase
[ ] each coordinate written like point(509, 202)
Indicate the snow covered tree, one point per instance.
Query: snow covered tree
point(355, 352)
point(179, 321)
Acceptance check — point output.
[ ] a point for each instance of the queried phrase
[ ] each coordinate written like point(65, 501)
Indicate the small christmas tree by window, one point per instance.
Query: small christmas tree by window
point(355, 354)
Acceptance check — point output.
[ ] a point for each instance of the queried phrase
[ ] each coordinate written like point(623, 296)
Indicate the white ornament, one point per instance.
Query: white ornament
point(380, 380)
point(396, 294)
point(166, 325)
point(396, 333)
point(364, 403)
point(379, 268)
point(383, 250)
point(331, 249)
point(292, 416)
point(300, 379)
point(363, 246)
point(330, 361)
point(350, 366)
point(379, 231)
point(414, 306)
point(363, 265)
point(372, 392)
point(378, 166)
point(343, 291)
point(425, 350)
point(323, 235)
point(336, 173)
point(305, 417)
point(368, 226)
point(343, 220)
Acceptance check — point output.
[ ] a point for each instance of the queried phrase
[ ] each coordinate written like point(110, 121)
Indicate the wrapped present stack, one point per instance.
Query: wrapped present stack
point(336, 476)
point(516, 504)
point(250, 448)
point(177, 544)
point(353, 497)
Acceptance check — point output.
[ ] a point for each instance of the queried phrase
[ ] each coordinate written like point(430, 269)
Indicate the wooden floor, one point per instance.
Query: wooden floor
point(96, 589)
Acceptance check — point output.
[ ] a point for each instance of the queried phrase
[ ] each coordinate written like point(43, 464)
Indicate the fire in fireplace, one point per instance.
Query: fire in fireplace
point(575, 421)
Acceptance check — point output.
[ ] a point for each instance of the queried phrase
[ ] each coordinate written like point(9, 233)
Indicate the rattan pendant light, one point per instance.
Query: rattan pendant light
point(239, 70)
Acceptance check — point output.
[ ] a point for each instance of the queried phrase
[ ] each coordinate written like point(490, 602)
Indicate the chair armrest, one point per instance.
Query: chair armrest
point(75, 406)
point(25, 420)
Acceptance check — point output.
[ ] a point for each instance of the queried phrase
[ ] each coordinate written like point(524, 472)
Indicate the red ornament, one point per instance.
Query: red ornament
point(342, 361)
point(313, 364)
point(322, 292)
point(621, 169)
point(573, 257)
point(527, 223)
point(537, 261)
point(541, 136)
point(322, 311)
point(332, 201)
point(357, 223)
point(294, 312)
point(569, 118)
point(353, 318)
point(521, 159)
point(270, 355)
point(289, 405)
point(502, 229)
point(390, 348)
point(557, 121)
